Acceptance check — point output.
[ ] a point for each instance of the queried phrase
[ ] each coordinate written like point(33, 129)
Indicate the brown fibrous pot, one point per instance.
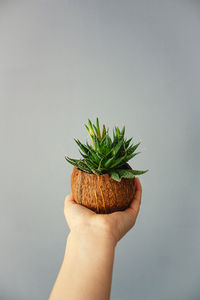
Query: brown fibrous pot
point(101, 193)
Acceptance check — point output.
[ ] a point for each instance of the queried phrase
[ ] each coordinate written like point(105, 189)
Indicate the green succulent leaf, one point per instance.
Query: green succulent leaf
point(96, 143)
point(114, 175)
point(119, 161)
point(125, 173)
point(108, 163)
point(71, 160)
point(103, 131)
point(92, 167)
point(83, 155)
point(117, 148)
point(135, 146)
point(132, 155)
point(100, 165)
point(82, 146)
point(106, 154)
point(121, 135)
point(127, 143)
point(96, 130)
point(138, 172)
point(82, 166)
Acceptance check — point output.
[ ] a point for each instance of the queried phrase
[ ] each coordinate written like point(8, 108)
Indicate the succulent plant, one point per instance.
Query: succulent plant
point(106, 155)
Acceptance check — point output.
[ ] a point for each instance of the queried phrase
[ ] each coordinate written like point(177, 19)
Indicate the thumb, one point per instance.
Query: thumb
point(75, 210)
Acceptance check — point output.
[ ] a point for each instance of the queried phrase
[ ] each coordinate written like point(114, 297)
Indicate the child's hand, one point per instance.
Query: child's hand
point(113, 226)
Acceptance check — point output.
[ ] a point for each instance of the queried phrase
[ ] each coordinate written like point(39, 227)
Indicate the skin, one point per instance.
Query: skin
point(86, 270)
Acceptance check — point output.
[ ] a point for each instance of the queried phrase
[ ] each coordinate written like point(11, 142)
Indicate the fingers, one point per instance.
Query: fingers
point(135, 204)
point(69, 203)
point(69, 200)
point(71, 207)
point(134, 207)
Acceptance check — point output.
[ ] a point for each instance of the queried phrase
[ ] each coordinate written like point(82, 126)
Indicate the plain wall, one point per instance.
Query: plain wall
point(132, 63)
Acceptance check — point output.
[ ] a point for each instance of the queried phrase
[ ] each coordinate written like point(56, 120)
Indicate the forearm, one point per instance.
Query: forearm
point(86, 271)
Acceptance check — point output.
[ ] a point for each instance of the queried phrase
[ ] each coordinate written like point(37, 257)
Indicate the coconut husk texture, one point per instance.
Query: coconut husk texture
point(101, 193)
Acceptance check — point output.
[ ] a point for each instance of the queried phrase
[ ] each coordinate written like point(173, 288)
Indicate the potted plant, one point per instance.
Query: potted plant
point(102, 180)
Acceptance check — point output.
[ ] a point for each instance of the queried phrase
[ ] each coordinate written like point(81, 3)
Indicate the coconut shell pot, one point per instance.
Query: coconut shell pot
point(101, 193)
point(102, 180)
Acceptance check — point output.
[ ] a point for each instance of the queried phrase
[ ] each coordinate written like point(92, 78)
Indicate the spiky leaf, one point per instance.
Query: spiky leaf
point(106, 155)
point(114, 175)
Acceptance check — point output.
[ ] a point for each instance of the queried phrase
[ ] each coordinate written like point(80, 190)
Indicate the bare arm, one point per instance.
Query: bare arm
point(86, 271)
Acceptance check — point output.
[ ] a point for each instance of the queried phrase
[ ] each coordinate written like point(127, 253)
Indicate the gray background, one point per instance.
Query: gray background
point(129, 62)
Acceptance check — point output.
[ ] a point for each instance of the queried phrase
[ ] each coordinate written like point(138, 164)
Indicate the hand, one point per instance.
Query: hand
point(112, 226)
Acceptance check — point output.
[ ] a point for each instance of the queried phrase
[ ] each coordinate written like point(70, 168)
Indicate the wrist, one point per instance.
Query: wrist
point(89, 238)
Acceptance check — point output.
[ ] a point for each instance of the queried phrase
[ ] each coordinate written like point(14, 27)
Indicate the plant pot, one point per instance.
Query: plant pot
point(101, 193)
